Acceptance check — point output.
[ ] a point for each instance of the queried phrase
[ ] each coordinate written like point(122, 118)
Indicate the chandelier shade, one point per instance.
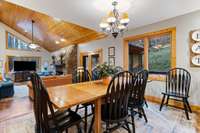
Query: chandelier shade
point(115, 23)
point(33, 46)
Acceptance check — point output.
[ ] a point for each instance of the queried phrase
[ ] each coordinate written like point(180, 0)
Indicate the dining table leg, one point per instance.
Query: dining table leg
point(97, 121)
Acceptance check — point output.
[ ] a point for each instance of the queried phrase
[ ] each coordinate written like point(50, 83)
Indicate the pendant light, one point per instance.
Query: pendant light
point(115, 23)
point(33, 45)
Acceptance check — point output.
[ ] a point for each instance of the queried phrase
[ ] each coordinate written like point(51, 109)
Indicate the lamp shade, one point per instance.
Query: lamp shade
point(33, 46)
point(124, 18)
point(111, 18)
point(103, 25)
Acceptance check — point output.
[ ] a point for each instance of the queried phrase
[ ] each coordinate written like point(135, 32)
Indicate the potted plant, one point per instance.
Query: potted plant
point(106, 72)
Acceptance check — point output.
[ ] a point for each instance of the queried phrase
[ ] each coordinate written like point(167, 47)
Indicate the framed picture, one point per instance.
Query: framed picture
point(111, 51)
point(111, 61)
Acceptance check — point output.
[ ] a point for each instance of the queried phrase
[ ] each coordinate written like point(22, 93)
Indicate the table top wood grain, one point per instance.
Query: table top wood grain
point(67, 96)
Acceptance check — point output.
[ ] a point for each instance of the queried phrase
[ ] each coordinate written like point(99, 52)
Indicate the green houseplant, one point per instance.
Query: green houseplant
point(106, 72)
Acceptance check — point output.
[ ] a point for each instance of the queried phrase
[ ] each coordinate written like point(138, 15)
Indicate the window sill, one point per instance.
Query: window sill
point(157, 77)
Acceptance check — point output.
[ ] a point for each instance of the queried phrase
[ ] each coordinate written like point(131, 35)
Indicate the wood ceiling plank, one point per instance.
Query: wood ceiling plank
point(47, 30)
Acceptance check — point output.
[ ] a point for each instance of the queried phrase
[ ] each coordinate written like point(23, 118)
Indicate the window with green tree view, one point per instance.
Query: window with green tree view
point(159, 53)
point(154, 51)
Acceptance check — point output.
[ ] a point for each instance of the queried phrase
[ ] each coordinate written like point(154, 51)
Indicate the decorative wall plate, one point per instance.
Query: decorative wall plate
point(196, 60)
point(196, 35)
point(196, 48)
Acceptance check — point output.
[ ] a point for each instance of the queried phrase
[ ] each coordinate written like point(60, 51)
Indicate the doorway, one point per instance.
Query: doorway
point(90, 59)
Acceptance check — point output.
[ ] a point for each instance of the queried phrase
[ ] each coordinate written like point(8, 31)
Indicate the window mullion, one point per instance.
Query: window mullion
point(146, 53)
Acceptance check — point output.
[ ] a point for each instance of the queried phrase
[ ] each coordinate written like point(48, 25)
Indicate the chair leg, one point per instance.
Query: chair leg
point(145, 102)
point(132, 118)
point(188, 105)
point(145, 117)
point(186, 109)
point(167, 100)
point(128, 128)
point(79, 128)
point(162, 102)
point(92, 123)
point(85, 128)
point(140, 113)
point(37, 128)
point(77, 107)
point(107, 128)
point(66, 130)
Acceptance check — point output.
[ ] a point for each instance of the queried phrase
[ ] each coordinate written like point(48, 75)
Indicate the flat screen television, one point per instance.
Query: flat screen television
point(24, 66)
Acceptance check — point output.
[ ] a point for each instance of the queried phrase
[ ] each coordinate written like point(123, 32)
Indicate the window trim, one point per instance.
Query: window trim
point(146, 37)
point(18, 39)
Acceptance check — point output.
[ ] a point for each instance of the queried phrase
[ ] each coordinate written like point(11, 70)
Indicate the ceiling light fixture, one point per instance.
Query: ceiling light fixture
point(57, 42)
point(62, 40)
point(115, 23)
point(33, 45)
point(25, 31)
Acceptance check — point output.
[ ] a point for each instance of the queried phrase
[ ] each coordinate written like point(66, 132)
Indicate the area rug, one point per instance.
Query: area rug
point(169, 120)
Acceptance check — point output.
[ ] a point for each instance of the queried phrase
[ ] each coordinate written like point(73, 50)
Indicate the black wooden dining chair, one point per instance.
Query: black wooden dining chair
point(115, 108)
point(137, 96)
point(47, 119)
point(83, 75)
point(177, 88)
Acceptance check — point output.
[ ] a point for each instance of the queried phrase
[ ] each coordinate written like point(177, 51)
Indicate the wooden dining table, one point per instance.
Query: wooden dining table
point(67, 96)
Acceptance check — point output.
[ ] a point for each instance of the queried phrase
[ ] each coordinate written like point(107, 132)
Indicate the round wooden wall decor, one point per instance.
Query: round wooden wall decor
point(196, 48)
point(196, 36)
point(196, 60)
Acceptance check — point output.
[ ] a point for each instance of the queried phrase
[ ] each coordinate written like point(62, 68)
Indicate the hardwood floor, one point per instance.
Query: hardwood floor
point(198, 122)
point(11, 108)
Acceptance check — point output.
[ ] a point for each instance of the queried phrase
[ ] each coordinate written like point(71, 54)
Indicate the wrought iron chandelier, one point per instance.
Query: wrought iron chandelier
point(115, 23)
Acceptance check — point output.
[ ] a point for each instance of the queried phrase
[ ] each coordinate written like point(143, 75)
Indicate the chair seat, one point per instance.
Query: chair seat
point(173, 94)
point(64, 119)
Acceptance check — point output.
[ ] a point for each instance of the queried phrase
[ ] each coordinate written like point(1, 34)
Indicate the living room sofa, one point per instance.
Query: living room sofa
point(6, 89)
point(50, 81)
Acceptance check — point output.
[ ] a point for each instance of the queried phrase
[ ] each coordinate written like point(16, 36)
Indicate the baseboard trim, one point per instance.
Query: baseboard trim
point(195, 108)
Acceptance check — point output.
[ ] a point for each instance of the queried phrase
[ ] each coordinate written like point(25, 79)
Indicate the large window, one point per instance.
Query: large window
point(154, 51)
point(159, 54)
point(14, 42)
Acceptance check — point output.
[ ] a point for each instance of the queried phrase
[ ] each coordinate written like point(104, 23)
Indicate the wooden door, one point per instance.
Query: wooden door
point(90, 59)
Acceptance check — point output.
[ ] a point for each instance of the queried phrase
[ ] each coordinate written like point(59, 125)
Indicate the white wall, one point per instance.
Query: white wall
point(184, 24)
point(105, 44)
point(45, 55)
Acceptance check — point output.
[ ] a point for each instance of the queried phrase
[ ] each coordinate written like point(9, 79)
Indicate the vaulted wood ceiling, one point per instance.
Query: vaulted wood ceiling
point(47, 30)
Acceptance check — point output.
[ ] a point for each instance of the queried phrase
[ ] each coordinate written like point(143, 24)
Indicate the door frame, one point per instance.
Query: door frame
point(89, 54)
